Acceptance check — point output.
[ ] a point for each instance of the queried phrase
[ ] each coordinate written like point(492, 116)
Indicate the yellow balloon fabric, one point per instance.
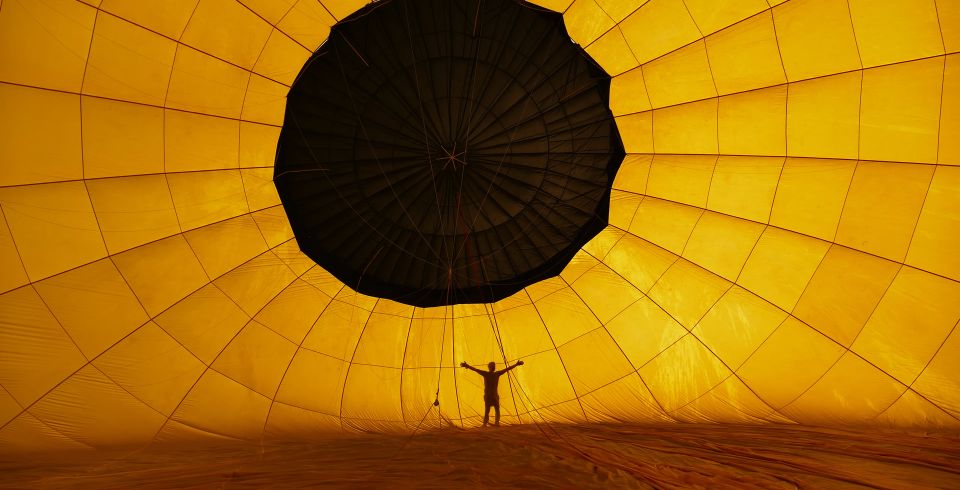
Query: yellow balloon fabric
point(782, 248)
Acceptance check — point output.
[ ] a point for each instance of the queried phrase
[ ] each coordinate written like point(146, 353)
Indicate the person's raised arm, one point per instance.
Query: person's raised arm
point(464, 364)
point(519, 363)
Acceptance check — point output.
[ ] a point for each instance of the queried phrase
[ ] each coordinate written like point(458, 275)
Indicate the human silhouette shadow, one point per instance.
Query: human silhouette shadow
point(491, 398)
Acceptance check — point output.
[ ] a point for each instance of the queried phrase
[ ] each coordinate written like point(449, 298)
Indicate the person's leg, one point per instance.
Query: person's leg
point(486, 415)
point(496, 408)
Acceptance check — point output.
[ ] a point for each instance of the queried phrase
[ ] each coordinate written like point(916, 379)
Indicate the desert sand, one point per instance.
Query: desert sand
point(527, 456)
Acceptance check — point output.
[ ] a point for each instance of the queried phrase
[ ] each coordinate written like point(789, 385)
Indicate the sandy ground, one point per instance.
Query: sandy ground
point(530, 456)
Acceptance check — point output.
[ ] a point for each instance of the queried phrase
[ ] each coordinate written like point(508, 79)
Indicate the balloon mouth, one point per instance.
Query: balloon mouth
point(434, 154)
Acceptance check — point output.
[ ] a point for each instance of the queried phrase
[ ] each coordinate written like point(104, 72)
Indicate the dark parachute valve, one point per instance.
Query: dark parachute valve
point(438, 152)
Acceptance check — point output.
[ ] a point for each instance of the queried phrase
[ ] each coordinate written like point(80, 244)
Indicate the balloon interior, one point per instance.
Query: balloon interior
point(250, 243)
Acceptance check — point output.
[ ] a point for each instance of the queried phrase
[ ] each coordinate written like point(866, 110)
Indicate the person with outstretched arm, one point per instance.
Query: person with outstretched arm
point(491, 398)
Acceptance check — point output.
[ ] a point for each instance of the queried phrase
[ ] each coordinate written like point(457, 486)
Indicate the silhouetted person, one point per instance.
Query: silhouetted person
point(491, 398)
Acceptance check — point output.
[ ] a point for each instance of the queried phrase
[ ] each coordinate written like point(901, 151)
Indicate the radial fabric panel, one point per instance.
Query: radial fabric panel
point(438, 152)
point(781, 243)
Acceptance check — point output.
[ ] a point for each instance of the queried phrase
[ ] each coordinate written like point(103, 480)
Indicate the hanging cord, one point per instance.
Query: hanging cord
point(347, 83)
point(515, 385)
point(406, 442)
point(545, 426)
point(423, 121)
point(436, 401)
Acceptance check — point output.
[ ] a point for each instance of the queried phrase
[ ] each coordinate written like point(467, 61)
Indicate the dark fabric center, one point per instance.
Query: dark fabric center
point(439, 152)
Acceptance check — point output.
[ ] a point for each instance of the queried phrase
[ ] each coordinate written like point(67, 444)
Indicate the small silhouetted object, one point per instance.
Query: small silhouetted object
point(491, 398)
